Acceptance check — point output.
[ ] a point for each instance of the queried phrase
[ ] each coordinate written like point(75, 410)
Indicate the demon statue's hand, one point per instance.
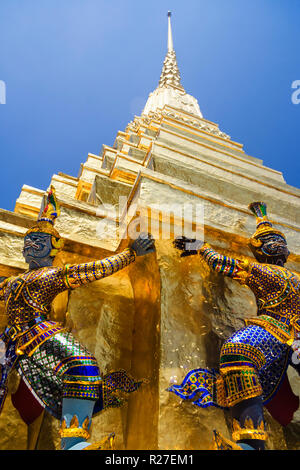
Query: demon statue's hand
point(143, 245)
point(188, 246)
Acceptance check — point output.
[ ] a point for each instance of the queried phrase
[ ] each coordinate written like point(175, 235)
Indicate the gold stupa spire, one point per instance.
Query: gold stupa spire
point(170, 75)
point(170, 92)
point(170, 38)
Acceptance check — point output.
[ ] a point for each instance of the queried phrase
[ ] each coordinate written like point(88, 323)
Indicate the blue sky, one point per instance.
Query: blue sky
point(76, 72)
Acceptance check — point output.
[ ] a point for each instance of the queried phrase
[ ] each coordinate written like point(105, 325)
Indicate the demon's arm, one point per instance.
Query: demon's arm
point(76, 275)
point(225, 265)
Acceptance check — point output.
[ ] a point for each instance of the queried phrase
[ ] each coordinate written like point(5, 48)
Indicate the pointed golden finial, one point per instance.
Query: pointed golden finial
point(170, 92)
point(170, 38)
point(170, 76)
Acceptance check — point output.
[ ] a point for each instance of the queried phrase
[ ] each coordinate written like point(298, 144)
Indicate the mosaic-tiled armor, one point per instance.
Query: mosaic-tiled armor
point(254, 359)
point(60, 373)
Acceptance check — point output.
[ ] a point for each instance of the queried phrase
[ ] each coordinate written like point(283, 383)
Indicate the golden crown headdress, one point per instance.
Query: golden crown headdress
point(49, 212)
point(263, 225)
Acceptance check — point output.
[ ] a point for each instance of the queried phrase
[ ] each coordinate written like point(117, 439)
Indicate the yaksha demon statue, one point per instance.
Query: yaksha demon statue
point(56, 369)
point(254, 360)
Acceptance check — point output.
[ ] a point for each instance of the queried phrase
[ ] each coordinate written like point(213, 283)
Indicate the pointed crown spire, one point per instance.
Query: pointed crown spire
point(263, 225)
point(50, 210)
point(170, 75)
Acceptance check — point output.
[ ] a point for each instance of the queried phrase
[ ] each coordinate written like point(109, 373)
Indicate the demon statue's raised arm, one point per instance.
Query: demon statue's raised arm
point(254, 360)
point(59, 372)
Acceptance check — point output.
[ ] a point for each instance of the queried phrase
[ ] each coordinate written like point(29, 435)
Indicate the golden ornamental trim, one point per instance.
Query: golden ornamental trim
point(248, 431)
point(74, 430)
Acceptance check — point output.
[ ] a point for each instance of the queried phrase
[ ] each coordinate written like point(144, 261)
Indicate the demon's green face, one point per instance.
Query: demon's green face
point(37, 247)
point(274, 247)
